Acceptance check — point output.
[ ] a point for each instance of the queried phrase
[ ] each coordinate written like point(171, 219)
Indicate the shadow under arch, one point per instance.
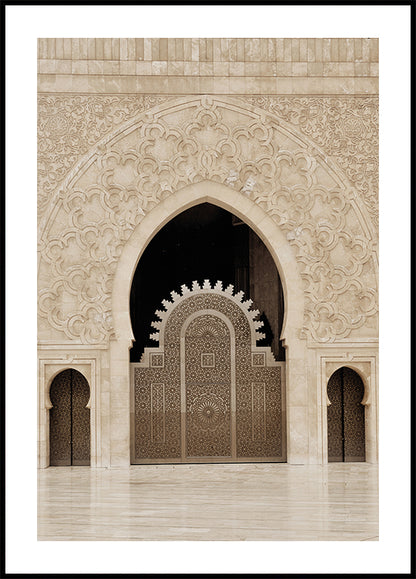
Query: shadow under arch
point(51, 378)
point(346, 428)
point(364, 379)
point(70, 419)
point(234, 202)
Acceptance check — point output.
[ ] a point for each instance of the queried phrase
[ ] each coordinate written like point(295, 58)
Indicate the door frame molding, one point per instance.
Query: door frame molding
point(49, 368)
point(366, 366)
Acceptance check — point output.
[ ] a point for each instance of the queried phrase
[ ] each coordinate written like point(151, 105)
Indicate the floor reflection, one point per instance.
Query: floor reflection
point(210, 502)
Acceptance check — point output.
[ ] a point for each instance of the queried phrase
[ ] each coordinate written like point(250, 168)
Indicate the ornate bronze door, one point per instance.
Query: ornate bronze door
point(207, 393)
point(69, 420)
point(346, 431)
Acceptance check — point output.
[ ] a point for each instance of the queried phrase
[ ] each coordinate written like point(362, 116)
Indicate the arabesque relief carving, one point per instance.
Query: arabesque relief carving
point(69, 125)
point(347, 130)
point(201, 138)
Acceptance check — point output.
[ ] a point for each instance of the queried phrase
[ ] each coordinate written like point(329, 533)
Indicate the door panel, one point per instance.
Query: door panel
point(207, 393)
point(208, 389)
point(354, 437)
point(69, 420)
point(80, 420)
point(346, 429)
point(60, 420)
point(335, 419)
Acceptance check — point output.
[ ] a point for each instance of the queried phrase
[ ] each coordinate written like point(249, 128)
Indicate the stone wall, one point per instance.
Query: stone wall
point(282, 132)
point(209, 65)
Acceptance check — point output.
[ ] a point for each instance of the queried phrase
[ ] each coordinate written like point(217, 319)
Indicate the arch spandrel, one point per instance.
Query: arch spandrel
point(252, 153)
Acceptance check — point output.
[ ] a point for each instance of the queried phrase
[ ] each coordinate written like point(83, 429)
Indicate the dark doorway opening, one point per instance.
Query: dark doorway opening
point(346, 423)
point(206, 242)
point(69, 420)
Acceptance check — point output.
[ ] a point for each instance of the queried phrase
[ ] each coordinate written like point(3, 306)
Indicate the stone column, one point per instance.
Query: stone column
point(371, 419)
point(297, 410)
point(120, 404)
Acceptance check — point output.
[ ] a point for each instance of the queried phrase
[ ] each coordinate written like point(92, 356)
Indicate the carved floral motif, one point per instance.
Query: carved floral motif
point(68, 126)
point(210, 139)
point(345, 127)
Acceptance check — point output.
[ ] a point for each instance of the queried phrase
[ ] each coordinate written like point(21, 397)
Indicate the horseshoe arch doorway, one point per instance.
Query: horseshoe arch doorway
point(346, 417)
point(69, 420)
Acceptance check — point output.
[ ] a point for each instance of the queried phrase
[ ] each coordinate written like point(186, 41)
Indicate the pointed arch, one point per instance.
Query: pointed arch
point(156, 155)
point(233, 201)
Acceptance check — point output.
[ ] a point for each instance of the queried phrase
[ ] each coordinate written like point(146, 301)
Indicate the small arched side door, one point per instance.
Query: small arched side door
point(346, 422)
point(69, 420)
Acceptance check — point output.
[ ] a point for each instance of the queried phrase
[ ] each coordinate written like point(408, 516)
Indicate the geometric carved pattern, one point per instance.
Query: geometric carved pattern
point(208, 388)
point(156, 420)
point(224, 411)
point(156, 360)
point(208, 360)
point(60, 420)
point(69, 420)
point(259, 359)
point(354, 429)
point(335, 419)
point(157, 404)
point(258, 411)
point(272, 157)
point(80, 420)
point(346, 429)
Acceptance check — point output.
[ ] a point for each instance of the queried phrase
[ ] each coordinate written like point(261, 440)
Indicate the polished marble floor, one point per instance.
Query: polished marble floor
point(218, 502)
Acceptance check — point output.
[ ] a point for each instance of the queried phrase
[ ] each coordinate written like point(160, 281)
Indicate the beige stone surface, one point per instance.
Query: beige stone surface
point(256, 66)
point(210, 49)
point(268, 502)
point(281, 132)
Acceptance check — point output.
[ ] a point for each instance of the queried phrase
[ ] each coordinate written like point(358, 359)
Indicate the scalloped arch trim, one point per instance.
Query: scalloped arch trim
point(217, 289)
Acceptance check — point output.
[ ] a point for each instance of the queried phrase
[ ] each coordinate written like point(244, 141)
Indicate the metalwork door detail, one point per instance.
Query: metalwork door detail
point(69, 420)
point(207, 363)
point(346, 421)
point(60, 420)
point(207, 393)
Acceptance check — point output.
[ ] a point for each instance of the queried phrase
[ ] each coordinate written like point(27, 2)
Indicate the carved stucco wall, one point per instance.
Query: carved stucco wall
point(106, 161)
